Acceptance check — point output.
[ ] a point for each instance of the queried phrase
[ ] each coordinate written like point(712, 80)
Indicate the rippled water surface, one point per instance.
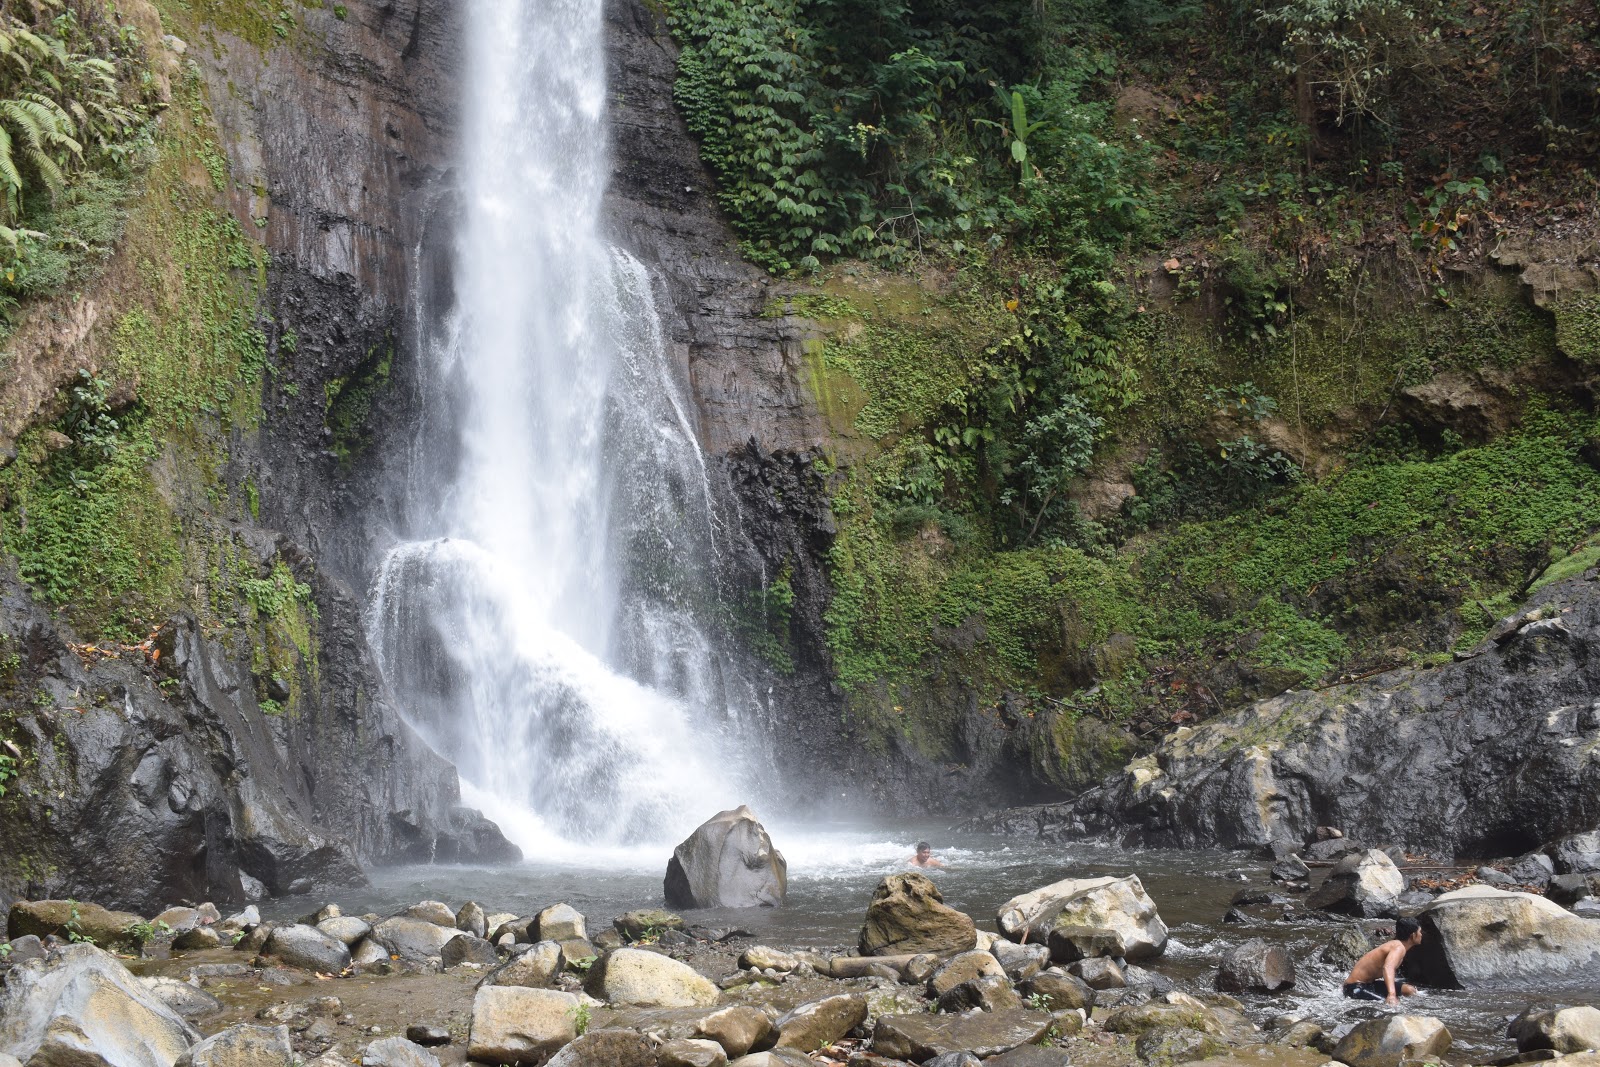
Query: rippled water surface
point(833, 870)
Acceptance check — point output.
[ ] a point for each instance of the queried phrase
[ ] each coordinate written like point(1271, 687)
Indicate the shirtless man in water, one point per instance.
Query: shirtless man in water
point(925, 856)
point(1376, 975)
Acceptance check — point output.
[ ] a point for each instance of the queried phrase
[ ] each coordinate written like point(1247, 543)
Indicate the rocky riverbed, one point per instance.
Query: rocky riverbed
point(1081, 971)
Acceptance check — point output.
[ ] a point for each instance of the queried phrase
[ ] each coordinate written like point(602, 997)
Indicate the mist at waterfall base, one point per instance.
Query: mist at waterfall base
point(541, 617)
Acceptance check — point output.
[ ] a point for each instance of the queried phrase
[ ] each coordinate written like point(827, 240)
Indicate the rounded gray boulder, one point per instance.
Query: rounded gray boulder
point(728, 862)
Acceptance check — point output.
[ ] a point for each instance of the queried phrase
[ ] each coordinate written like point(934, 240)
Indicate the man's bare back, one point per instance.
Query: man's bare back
point(1376, 975)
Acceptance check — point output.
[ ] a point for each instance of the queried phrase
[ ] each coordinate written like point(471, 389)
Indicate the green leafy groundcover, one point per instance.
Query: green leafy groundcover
point(1467, 524)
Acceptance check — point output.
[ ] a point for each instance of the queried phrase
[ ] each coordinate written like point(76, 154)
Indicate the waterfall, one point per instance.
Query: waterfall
point(541, 615)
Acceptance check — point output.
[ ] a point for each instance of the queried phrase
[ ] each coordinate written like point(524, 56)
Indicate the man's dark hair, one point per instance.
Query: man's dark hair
point(1404, 928)
point(924, 845)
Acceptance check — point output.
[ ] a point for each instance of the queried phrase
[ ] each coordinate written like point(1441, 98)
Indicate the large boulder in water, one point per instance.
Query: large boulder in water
point(908, 915)
point(1562, 1030)
point(1392, 1040)
point(81, 1007)
point(1480, 936)
point(1255, 967)
point(728, 862)
point(1086, 917)
point(1364, 884)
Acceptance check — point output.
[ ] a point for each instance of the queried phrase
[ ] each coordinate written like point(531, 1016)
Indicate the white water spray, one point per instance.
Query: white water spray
point(539, 623)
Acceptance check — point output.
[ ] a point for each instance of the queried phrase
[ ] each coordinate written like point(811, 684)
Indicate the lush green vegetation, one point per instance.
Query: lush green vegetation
point(75, 102)
point(1191, 252)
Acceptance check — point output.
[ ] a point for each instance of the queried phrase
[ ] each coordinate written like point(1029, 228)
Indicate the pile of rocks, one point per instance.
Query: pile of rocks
point(1063, 977)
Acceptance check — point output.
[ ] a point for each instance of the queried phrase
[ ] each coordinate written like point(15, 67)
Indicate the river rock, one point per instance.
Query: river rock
point(197, 939)
point(607, 1048)
point(908, 915)
point(535, 967)
point(737, 1029)
point(1166, 1045)
point(308, 948)
point(1188, 1014)
point(242, 1046)
point(397, 1052)
point(189, 1001)
point(177, 920)
point(947, 1059)
point(1568, 889)
point(466, 950)
point(559, 922)
point(1364, 884)
point(70, 919)
point(963, 967)
point(1563, 1030)
point(1255, 967)
point(414, 940)
point(24, 948)
point(1020, 962)
point(1064, 992)
point(472, 920)
point(577, 953)
point(432, 911)
point(81, 1007)
point(645, 922)
point(1483, 936)
point(1391, 1040)
point(1578, 854)
point(1030, 1056)
point(242, 920)
point(922, 1036)
point(728, 862)
point(346, 929)
point(513, 1025)
point(1099, 973)
point(989, 993)
point(763, 958)
point(1535, 869)
point(1291, 870)
point(368, 953)
point(692, 1052)
point(820, 1022)
point(254, 939)
point(648, 979)
point(1086, 917)
point(778, 1057)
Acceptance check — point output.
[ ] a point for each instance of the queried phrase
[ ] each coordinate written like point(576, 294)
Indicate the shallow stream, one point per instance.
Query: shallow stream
point(833, 870)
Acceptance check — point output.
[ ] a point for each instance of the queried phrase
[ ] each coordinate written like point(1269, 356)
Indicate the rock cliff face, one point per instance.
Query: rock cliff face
point(1489, 756)
point(163, 773)
point(761, 429)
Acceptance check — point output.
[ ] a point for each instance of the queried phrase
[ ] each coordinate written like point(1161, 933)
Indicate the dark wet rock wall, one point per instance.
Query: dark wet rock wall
point(1490, 756)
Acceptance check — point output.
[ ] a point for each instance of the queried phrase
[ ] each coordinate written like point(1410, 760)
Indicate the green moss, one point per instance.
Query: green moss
point(113, 527)
point(350, 400)
point(99, 541)
point(1350, 349)
point(263, 23)
point(1569, 566)
point(1577, 321)
point(1316, 581)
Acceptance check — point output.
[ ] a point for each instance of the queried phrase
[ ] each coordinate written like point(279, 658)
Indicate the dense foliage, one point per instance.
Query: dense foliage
point(1194, 250)
point(74, 100)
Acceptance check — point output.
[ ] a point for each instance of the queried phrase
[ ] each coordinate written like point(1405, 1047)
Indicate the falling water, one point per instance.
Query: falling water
point(538, 621)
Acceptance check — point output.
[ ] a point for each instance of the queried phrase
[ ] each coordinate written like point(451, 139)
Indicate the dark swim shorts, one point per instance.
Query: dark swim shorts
point(1377, 989)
